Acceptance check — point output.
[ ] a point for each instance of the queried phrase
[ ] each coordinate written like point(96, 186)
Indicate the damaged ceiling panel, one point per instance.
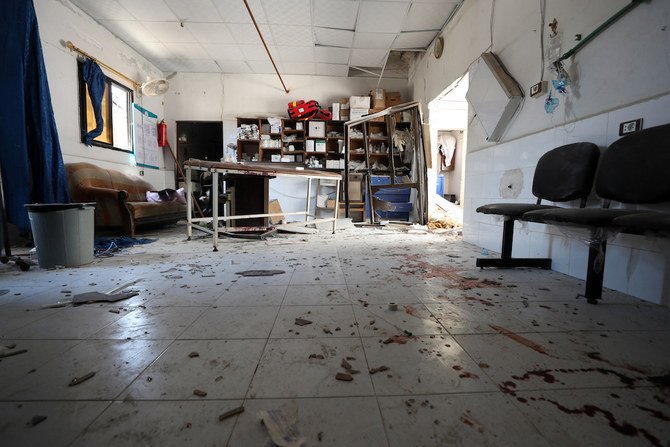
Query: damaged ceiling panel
point(322, 37)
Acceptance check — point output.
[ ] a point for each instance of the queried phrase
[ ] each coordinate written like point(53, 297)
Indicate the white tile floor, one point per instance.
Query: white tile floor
point(495, 357)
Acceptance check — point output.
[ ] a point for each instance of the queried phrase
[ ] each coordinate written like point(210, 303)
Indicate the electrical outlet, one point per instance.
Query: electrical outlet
point(630, 126)
point(142, 172)
point(538, 89)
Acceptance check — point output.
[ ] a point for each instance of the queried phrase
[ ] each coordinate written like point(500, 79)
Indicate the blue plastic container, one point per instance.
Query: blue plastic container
point(440, 185)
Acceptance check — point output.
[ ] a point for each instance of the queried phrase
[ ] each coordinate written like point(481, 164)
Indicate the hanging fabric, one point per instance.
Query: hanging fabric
point(447, 150)
point(30, 154)
point(95, 81)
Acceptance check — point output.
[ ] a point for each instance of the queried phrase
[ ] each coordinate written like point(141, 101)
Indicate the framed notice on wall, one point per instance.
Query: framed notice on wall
point(145, 137)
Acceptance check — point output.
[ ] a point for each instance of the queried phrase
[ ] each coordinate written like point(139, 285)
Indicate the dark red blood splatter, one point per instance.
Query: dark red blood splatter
point(411, 310)
point(522, 400)
point(468, 375)
point(656, 413)
point(457, 367)
point(519, 339)
point(545, 374)
point(597, 356)
point(479, 300)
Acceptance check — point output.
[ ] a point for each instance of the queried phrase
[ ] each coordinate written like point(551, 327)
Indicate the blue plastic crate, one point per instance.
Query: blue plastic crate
point(392, 215)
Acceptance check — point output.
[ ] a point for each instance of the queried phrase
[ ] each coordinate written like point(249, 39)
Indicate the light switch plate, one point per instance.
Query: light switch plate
point(628, 127)
point(538, 89)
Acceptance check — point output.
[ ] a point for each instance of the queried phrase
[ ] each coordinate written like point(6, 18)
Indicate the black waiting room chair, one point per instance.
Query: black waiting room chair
point(562, 174)
point(633, 170)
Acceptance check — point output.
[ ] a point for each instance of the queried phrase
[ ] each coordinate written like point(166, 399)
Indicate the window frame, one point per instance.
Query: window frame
point(83, 124)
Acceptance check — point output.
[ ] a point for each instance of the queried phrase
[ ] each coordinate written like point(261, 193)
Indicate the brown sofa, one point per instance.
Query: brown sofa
point(120, 199)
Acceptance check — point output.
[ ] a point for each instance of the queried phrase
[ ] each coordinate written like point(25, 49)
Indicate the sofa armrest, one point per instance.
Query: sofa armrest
point(95, 192)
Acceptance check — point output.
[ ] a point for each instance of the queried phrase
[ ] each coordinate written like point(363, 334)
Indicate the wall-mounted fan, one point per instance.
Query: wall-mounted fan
point(155, 87)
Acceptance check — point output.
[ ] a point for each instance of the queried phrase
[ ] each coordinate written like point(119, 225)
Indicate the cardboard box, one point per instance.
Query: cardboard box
point(288, 158)
point(344, 104)
point(378, 97)
point(336, 111)
point(320, 146)
point(275, 129)
point(359, 102)
point(316, 129)
point(330, 203)
point(309, 146)
point(381, 119)
point(344, 115)
point(275, 157)
point(358, 113)
point(393, 99)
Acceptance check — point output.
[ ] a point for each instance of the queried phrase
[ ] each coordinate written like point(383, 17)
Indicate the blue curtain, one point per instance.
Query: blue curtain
point(95, 80)
point(30, 154)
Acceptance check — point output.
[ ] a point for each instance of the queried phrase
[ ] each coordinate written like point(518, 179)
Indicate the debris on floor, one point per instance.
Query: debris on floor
point(35, 420)
point(260, 272)
point(281, 425)
point(231, 413)
point(344, 377)
point(199, 393)
point(399, 339)
point(8, 351)
point(302, 322)
point(194, 354)
point(316, 356)
point(82, 379)
point(393, 307)
point(379, 369)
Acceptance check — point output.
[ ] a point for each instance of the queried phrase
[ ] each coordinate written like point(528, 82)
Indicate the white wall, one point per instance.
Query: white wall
point(225, 97)
point(60, 21)
point(618, 76)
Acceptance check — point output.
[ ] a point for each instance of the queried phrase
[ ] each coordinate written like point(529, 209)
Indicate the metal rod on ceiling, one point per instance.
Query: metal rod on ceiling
point(267, 50)
point(364, 70)
point(71, 46)
point(386, 59)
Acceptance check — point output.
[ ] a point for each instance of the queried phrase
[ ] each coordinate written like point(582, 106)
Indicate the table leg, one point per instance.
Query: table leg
point(309, 193)
point(215, 209)
point(337, 205)
point(189, 204)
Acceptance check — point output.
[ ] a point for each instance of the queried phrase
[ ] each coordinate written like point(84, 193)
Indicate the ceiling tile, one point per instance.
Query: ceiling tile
point(227, 66)
point(296, 54)
point(129, 30)
point(210, 32)
point(332, 14)
point(292, 35)
point(332, 55)
point(381, 17)
point(149, 10)
point(194, 10)
point(223, 52)
point(246, 34)
point(264, 67)
point(151, 50)
point(109, 10)
point(367, 58)
point(414, 39)
point(188, 51)
point(188, 65)
point(169, 32)
point(299, 68)
point(256, 52)
point(333, 37)
point(287, 12)
point(373, 40)
point(427, 16)
point(332, 69)
point(234, 11)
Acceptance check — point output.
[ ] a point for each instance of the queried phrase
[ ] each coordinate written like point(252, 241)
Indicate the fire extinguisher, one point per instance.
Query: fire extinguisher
point(162, 134)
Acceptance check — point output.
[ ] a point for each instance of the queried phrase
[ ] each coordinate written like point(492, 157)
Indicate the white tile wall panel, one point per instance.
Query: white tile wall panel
point(194, 10)
point(246, 34)
point(223, 52)
point(374, 40)
point(287, 12)
point(381, 17)
point(129, 30)
point(367, 58)
point(292, 35)
point(335, 14)
point(332, 55)
point(332, 69)
point(169, 32)
point(333, 37)
point(109, 10)
point(149, 10)
point(210, 32)
point(414, 39)
point(234, 11)
point(427, 16)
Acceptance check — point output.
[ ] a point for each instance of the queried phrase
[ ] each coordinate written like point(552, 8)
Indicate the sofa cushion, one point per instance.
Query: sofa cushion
point(149, 210)
point(86, 174)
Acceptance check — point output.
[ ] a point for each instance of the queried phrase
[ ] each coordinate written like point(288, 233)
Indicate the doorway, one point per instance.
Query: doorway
point(199, 139)
point(448, 120)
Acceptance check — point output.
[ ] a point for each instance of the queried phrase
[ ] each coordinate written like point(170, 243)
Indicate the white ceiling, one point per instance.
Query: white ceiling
point(312, 37)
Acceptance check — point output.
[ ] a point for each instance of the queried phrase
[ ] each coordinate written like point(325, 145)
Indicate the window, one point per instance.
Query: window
point(116, 133)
